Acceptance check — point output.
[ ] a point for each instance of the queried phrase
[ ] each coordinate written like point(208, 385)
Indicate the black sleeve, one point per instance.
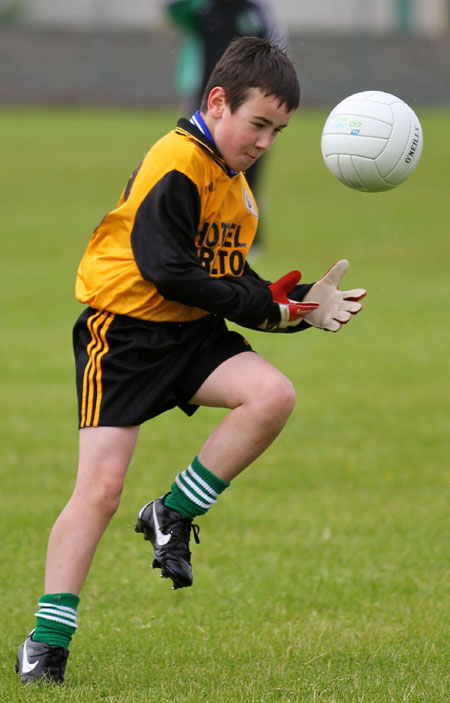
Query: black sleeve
point(299, 292)
point(163, 242)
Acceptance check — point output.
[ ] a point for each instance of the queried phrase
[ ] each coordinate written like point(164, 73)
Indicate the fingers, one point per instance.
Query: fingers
point(344, 315)
point(353, 307)
point(355, 294)
point(290, 280)
point(332, 326)
point(336, 272)
point(284, 285)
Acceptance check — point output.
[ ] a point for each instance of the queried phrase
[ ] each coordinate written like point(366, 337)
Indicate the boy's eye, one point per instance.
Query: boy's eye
point(261, 125)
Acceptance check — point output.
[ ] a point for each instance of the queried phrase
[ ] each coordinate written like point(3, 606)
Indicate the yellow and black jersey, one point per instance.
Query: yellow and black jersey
point(174, 249)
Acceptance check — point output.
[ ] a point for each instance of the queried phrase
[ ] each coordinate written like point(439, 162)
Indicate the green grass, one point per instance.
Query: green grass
point(322, 574)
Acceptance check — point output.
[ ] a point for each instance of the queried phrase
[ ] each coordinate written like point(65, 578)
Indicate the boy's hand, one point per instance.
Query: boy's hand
point(336, 307)
point(286, 313)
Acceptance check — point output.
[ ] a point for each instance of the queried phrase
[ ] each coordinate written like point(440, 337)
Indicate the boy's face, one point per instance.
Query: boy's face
point(244, 135)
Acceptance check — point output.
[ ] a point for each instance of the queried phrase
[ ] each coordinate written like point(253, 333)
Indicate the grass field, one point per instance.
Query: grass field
point(322, 574)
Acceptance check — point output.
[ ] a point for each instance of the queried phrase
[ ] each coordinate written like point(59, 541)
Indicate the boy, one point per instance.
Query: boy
point(159, 276)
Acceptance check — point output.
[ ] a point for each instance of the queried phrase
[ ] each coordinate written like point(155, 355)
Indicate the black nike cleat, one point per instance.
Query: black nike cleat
point(169, 533)
point(39, 662)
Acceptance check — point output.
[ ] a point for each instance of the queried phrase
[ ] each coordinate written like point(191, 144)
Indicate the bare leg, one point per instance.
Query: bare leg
point(105, 453)
point(261, 400)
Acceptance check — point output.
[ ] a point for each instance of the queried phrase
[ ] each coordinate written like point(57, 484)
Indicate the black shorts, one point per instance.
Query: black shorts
point(130, 370)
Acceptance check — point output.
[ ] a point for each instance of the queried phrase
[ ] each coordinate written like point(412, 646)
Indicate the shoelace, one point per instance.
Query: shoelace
point(181, 531)
point(196, 529)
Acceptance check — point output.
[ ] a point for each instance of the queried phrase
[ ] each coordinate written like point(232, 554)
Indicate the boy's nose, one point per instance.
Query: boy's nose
point(263, 141)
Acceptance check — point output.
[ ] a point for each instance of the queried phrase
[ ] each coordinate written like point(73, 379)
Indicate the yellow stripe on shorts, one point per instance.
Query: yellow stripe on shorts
point(98, 325)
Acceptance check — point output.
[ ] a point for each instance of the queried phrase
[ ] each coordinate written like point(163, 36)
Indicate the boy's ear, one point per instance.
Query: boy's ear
point(216, 102)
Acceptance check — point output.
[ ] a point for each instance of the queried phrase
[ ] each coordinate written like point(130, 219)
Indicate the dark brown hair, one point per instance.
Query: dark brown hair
point(251, 62)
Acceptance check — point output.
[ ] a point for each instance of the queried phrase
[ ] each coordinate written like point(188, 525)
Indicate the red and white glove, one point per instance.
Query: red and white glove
point(286, 313)
point(336, 307)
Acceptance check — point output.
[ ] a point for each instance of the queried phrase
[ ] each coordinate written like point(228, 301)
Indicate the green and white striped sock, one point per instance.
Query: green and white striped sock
point(56, 619)
point(195, 491)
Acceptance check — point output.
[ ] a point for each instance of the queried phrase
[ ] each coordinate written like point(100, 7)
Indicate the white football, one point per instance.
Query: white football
point(372, 141)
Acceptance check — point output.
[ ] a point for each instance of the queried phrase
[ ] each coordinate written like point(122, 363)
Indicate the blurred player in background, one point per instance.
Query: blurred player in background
point(162, 272)
point(208, 27)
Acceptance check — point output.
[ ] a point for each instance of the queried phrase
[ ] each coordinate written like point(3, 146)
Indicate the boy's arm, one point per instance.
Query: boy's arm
point(296, 294)
point(163, 242)
point(335, 307)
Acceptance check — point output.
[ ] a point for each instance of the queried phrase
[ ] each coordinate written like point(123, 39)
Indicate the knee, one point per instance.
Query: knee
point(284, 397)
point(102, 496)
point(277, 395)
point(108, 495)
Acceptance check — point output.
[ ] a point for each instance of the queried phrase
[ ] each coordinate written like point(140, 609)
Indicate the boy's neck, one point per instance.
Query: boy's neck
point(198, 120)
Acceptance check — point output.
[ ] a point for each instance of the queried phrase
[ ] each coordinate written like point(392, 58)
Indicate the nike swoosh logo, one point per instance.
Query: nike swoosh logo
point(27, 667)
point(161, 538)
